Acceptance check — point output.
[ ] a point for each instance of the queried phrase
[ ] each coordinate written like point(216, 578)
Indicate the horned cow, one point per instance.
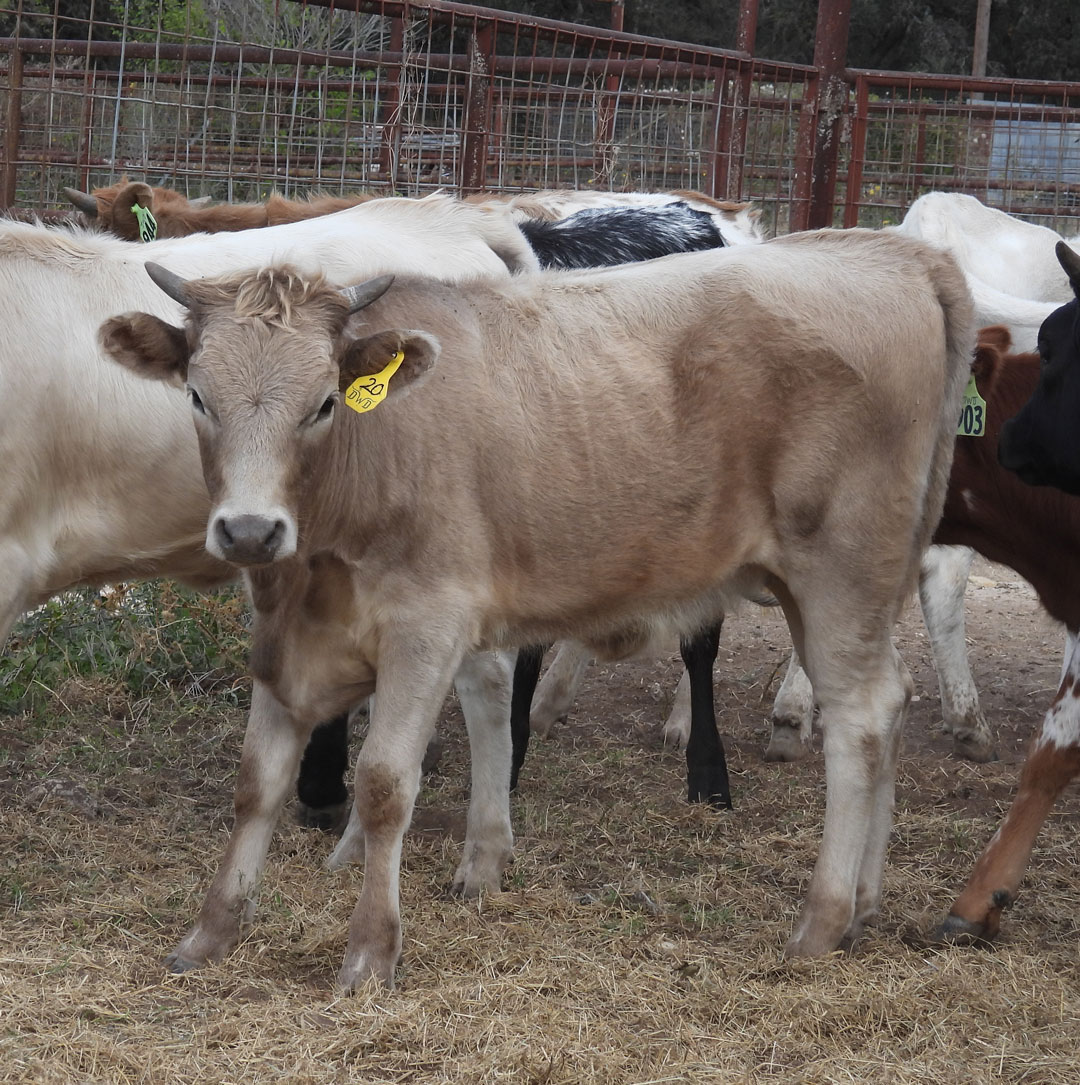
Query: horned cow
point(102, 479)
point(427, 526)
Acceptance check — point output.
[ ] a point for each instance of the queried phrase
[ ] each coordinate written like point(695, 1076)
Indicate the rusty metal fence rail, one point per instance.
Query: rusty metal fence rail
point(389, 96)
point(1015, 144)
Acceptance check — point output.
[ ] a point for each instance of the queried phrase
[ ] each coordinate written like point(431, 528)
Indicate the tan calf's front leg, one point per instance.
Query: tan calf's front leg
point(1054, 760)
point(483, 683)
point(413, 678)
point(269, 762)
point(558, 688)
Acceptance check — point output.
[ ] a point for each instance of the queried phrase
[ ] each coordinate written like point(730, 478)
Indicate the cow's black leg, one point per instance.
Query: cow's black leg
point(320, 787)
point(526, 675)
point(706, 767)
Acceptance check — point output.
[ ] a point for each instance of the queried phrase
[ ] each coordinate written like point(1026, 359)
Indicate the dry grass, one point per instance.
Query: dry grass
point(638, 939)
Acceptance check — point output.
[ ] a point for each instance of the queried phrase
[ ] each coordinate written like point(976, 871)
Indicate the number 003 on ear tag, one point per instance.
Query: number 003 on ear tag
point(366, 393)
point(973, 413)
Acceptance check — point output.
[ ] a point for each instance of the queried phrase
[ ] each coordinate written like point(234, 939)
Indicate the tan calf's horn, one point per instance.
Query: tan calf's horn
point(169, 281)
point(366, 292)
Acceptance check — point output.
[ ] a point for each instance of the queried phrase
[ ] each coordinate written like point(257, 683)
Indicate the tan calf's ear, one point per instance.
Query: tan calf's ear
point(147, 346)
point(374, 357)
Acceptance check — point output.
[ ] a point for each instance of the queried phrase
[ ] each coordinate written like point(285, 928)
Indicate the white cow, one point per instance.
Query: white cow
point(1012, 272)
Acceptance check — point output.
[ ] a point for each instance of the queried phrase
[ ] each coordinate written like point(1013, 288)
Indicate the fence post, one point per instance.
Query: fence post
point(604, 162)
point(830, 55)
point(853, 194)
point(723, 178)
point(477, 109)
point(390, 135)
point(9, 177)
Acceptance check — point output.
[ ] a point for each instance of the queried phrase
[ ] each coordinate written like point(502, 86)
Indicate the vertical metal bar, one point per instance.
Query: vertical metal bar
point(608, 106)
point(745, 41)
point(858, 154)
point(830, 53)
point(719, 158)
point(477, 109)
point(728, 130)
point(802, 185)
point(86, 135)
point(390, 120)
point(920, 154)
point(9, 178)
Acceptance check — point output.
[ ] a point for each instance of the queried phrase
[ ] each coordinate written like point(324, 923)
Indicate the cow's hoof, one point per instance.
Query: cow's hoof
point(676, 733)
point(372, 961)
point(543, 722)
point(785, 743)
point(327, 819)
point(480, 874)
point(956, 930)
point(809, 946)
point(972, 748)
point(709, 785)
point(176, 963)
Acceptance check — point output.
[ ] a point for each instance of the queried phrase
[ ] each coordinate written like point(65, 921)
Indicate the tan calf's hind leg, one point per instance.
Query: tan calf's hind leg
point(269, 762)
point(559, 686)
point(1053, 761)
point(863, 690)
point(483, 684)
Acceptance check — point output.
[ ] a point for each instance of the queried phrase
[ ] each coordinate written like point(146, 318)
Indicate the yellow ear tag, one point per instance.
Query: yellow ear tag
point(973, 413)
point(366, 393)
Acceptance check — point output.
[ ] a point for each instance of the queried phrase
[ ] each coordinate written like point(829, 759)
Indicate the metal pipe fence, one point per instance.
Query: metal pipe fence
point(408, 97)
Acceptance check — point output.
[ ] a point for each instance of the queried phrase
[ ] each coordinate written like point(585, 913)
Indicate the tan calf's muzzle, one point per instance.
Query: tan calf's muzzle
point(250, 540)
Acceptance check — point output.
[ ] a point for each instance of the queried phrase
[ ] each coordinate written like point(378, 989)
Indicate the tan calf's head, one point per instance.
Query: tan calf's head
point(266, 362)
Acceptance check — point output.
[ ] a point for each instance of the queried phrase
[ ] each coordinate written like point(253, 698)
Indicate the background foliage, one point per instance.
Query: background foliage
point(1027, 40)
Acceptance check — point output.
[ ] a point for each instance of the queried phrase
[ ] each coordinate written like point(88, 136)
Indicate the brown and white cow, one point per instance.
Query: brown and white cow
point(1035, 530)
point(116, 209)
point(699, 426)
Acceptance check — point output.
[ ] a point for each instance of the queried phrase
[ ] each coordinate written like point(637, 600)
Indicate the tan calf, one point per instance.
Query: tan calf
point(776, 417)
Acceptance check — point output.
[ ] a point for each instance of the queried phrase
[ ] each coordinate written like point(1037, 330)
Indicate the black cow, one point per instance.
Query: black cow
point(1042, 443)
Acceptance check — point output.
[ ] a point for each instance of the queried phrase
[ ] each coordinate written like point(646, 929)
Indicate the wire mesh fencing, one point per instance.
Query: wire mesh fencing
point(235, 98)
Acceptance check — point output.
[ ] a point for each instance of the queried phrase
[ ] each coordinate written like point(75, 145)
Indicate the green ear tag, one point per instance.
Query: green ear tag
point(973, 414)
point(147, 222)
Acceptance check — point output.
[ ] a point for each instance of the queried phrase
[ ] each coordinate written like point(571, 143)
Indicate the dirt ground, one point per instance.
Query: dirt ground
point(1015, 655)
point(638, 939)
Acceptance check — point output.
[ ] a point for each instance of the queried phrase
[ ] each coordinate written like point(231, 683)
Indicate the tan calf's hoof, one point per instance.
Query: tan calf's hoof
point(177, 964)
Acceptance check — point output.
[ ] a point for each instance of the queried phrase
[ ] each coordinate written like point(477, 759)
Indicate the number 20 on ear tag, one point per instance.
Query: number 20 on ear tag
point(973, 413)
point(366, 393)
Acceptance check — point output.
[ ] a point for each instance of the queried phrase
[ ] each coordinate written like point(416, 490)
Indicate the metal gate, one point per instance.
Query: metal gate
point(405, 98)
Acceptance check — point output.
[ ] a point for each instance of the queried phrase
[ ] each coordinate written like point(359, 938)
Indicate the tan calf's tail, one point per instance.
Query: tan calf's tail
point(958, 312)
